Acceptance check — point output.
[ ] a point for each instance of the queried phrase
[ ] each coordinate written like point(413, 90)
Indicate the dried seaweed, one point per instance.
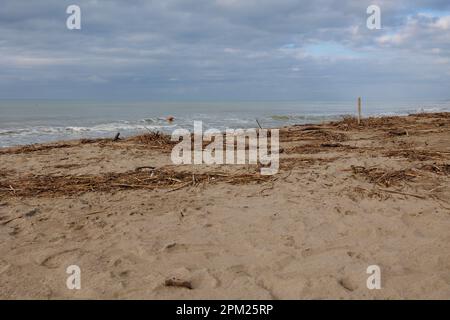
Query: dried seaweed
point(391, 123)
point(384, 177)
point(414, 154)
point(316, 134)
point(326, 135)
point(4, 173)
point(442, 169)
point(47, 185)
point(351, 123)
point(153, 138)
point(432, 115)
point(34, 148)
point(318, 148)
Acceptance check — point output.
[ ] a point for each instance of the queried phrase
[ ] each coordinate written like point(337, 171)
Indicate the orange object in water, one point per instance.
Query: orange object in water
point(170, 119)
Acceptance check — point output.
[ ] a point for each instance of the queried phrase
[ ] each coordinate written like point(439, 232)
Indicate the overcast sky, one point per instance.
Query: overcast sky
point(225, 50)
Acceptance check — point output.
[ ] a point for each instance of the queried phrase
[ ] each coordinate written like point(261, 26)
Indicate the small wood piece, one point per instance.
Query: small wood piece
point(174, 282)
point(116, 137)
point(151, 168)
point(331, 145)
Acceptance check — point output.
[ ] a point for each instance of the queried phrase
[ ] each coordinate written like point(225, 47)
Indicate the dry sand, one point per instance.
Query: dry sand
point(346, 197)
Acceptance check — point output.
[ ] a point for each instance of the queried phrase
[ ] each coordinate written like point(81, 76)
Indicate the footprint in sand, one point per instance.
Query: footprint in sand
point(184, 278)
point(120, 274)
point(4, 266)
point(61, 258)
point(174, 247)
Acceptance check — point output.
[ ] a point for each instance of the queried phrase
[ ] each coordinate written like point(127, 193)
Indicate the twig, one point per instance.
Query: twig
point(288, 175)
point(438, 187)
point(148, 129)
point(268, 188)
point(439, 201)
point(94, 212)
point(180, 187)
point(145, 167)
point(258, 123)
point(123, 185)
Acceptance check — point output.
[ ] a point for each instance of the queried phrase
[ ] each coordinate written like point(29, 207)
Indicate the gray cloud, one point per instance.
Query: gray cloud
point(224, 49)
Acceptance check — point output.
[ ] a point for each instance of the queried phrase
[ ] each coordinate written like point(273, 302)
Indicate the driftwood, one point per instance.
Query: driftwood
point(398, 132)
point(175, 282)
point(145, 167)
point(116, 137)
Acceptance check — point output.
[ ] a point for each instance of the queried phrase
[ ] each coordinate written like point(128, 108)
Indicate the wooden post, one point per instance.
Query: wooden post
point(359, 110)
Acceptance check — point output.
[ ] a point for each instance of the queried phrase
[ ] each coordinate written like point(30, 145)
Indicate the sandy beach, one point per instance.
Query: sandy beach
point(347, 196)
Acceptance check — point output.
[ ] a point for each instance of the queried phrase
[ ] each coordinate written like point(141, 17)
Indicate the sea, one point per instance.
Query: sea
point(25, 122)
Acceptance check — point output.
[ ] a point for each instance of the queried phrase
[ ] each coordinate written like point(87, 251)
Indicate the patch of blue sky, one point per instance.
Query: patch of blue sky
point(331, 49)
point(434, 13)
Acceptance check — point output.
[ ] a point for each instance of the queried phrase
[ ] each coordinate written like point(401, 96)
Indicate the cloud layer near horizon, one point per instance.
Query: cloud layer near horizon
point(225, 49)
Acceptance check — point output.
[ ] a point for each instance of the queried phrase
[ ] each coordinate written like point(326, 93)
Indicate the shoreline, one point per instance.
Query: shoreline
point(163, 126)
point(345, 197)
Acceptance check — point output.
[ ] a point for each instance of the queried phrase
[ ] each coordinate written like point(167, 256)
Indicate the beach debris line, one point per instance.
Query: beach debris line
point(27, 214)
point(314, 134)
point(234, 146)
point(443, 168)
point(416, 155)
point(164, 178)
point(349, 122)
point(153, 138)
point(34, 147)
point(385, 177)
